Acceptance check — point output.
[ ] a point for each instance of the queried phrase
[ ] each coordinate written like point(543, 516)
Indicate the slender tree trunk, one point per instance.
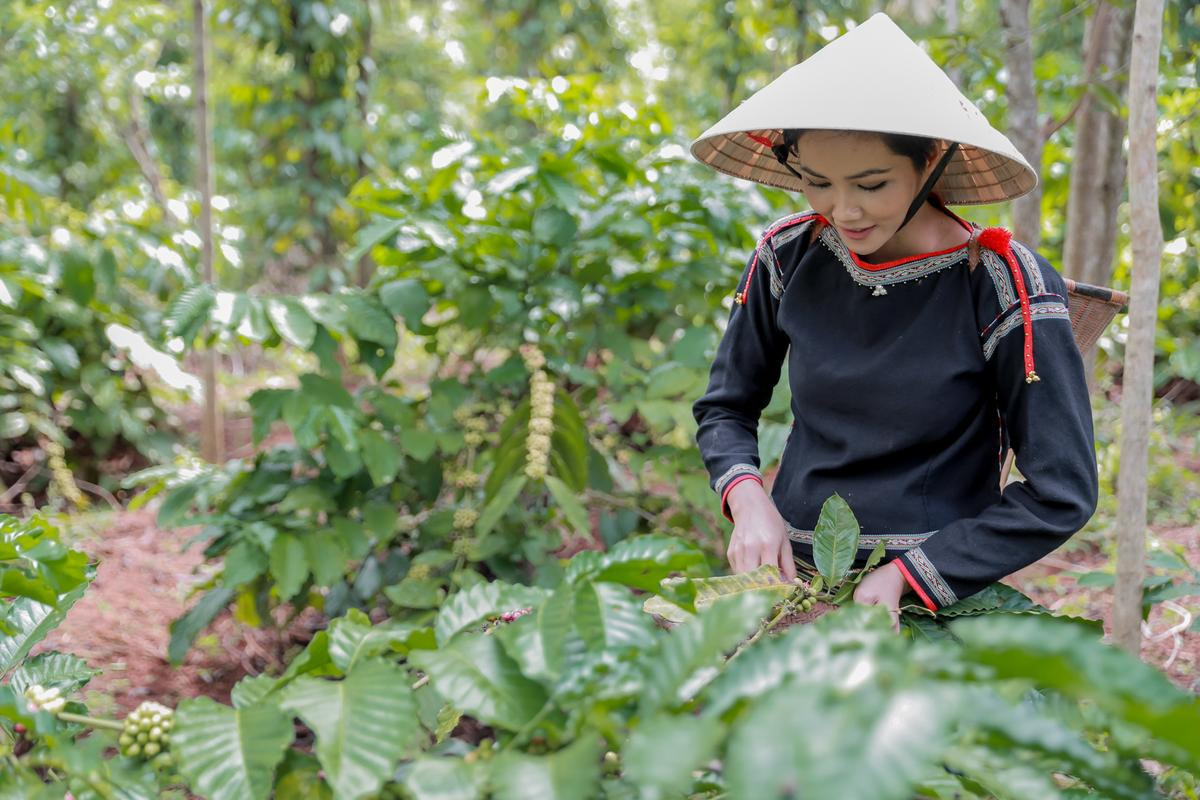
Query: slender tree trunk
point(1022, 123)
point(366, 264)
point(1089, 250)
point(1137, 395)
point(211, 434)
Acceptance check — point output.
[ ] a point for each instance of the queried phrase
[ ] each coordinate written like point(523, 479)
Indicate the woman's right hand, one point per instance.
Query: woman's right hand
point(759, 533)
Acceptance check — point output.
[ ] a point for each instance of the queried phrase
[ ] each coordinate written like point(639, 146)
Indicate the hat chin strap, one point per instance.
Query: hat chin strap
point(781, 154)
point(923, 195)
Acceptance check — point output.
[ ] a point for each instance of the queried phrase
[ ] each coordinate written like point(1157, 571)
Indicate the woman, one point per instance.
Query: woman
point(909, 334)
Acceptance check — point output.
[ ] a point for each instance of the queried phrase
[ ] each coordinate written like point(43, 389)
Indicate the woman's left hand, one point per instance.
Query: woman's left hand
point(883, 587)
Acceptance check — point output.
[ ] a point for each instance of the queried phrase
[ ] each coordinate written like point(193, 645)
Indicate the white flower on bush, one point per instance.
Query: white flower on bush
point(45, 699)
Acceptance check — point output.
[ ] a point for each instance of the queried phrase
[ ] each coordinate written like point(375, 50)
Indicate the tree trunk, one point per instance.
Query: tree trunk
point(1137, 395)
point(1022, 122)
point(1090, 246)
point(211, 434)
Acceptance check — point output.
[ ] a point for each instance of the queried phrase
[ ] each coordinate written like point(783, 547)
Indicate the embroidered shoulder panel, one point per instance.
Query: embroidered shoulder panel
point(997, 269)
point(1029, 262)
point(909, 270)
point(780, 232)
point(1047, 306)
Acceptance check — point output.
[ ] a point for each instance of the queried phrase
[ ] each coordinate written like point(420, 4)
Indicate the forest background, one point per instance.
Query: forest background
point(405, 193)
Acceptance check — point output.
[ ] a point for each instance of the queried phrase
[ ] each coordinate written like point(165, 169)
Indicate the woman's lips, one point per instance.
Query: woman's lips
point(861, 233)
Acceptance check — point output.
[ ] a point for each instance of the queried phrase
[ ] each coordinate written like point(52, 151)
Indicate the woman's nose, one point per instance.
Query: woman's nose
point(846, 210)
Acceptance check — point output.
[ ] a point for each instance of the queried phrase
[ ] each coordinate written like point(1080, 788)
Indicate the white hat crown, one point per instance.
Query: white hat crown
point(874, 78)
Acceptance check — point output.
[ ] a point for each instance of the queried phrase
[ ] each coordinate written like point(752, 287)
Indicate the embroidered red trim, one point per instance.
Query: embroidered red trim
point(999, 241)
point(729, 488)
point(741, 296)
point(908, 259)
point(916, 586)
point(764, 141)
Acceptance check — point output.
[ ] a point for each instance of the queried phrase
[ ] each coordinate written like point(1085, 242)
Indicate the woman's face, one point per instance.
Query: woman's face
point(857, 183)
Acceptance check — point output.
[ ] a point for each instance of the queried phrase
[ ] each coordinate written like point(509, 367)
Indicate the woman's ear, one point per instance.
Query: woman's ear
point(935, 156)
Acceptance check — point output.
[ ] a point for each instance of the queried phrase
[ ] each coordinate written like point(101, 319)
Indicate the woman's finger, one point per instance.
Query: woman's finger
point(787, 564)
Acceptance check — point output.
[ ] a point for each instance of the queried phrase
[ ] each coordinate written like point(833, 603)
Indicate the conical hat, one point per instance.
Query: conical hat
point(874, 78)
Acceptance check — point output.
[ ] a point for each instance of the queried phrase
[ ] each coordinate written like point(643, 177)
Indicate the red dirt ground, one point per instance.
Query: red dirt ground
point(121, 624)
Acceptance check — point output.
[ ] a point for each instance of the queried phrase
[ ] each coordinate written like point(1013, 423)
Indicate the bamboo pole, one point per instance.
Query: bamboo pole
point(1137, 391)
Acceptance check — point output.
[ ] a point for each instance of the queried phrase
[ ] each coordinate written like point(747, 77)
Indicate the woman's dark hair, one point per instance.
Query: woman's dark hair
point(917, 149)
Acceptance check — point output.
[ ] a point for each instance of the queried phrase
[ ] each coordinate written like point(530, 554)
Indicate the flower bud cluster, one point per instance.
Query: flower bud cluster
point(541, 425)
point(147, 733)
point(467, 479)
point(63, 480)
point(420, 572)
point(45, 699)
point(465, 519)
point(463, 547)
point(534, 358)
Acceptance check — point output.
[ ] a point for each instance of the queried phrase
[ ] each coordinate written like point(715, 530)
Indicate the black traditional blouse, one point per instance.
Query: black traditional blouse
point(908, 383)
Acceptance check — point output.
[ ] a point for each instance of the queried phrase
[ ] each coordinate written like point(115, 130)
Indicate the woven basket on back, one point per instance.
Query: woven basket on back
point(1092, 308)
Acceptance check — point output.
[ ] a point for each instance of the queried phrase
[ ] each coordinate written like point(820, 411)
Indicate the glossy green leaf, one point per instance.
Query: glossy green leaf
point(641, 562)
point(185, 629)
point(572, 773)
point(406, 299)
point(381, 456)
point(470, 607)
point(60, 670)
point(1060, 655)
point(835, 540)
point(418, 443)
point(29, 622)
point(494, 510)
point(664, 749)
point(353, 638)
point(227, 753)
point(291, 321)
point(363, 724)
point(691, 656)
point(189, 311)
point(609, 617)
point(444, 779)
point(289, 564)
point(540, 641)
point(870, 743)
point(476, 675)
point(569, 505)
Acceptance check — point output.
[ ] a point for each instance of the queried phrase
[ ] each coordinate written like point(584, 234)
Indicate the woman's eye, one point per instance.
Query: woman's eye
point(874, 188)
point(818, 185)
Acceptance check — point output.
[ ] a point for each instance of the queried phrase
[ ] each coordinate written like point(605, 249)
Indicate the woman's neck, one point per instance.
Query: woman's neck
point(931, 230)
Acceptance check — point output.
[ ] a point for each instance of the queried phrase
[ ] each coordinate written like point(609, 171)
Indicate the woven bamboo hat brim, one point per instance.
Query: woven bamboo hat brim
point(874, 78)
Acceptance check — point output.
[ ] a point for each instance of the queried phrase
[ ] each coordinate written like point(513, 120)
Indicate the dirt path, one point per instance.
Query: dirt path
point(121, 624)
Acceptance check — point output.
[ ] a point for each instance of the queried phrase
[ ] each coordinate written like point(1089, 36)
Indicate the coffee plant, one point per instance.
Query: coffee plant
point(73, 375)
point(575, 692)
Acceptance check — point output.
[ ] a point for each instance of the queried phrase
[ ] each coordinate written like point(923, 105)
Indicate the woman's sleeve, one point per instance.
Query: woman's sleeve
point(743, 376)
point(1048, 423)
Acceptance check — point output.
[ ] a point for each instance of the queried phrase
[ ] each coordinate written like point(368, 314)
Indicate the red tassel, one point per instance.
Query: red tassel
point(999, 241)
